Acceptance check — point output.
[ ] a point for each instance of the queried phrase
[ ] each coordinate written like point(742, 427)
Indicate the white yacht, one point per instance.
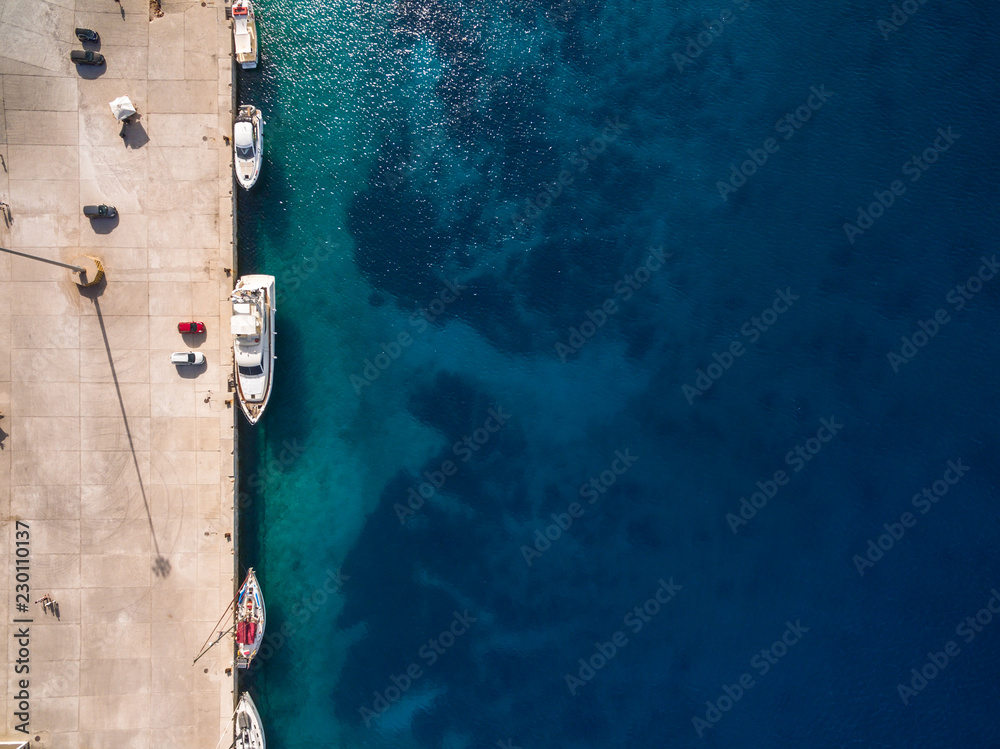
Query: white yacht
point(252, 326)
point(249, 729)
point(248, 145)
point(245, 33)
point(251, 618)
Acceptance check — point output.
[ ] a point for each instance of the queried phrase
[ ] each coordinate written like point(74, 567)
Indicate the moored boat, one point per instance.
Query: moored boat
point(245, 33)
point(248, 145)
point(250, 620)
point(252, 326)
point(249, 728)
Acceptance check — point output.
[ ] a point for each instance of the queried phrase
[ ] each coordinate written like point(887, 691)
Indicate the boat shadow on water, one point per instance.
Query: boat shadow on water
point(265, 453)
point(290, 398)
point(270, 192)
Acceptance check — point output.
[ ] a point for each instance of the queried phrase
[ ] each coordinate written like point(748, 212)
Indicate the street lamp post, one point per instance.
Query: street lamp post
point(77, 268)
point(93, 266)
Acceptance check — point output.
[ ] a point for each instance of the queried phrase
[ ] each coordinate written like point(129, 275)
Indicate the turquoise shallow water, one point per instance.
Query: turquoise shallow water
point(464, 206)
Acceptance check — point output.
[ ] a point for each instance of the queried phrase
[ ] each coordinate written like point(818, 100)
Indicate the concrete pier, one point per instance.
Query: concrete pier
point(116, 467)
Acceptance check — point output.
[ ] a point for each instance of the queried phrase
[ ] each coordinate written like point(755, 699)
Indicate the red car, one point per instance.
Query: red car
point(190, 327)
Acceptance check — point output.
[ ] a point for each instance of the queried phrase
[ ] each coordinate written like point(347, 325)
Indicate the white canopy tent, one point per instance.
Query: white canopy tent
point(122, 108)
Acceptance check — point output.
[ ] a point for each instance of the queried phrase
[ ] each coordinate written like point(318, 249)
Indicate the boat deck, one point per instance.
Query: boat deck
point(245, 41)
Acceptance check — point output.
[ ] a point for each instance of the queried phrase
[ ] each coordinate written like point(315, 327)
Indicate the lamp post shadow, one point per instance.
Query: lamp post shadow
point(161, 567)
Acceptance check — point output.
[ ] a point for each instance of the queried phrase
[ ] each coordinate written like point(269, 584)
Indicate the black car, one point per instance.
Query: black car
point(88, 57)
point(88, 35)
point(99, 211)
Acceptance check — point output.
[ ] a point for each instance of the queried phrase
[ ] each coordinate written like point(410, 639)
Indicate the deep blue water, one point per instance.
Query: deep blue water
point(465, 205)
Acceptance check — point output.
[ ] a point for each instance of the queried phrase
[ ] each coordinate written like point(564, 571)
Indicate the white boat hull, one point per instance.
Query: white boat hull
point(248, 145)
point(253, 325)
point(249, 727)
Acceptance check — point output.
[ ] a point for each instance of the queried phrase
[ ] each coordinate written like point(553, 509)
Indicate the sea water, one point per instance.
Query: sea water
point(637, 371)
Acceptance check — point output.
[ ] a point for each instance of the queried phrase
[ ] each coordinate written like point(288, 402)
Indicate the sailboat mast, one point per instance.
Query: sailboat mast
point(225, 613)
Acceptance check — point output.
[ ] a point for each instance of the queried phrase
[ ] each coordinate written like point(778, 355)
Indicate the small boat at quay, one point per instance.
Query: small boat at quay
point(249, 729)
point(250, 620)
point(252, 326)
point(245, 33)
point(248, 145)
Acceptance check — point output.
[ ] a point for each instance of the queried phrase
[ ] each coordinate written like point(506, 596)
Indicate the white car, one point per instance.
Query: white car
point(187, 357)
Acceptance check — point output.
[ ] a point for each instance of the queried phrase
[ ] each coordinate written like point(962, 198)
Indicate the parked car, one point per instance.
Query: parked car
point(100, 211)
point(88, 35)
point(187, 357)
point(190, 327)
point(86, 57)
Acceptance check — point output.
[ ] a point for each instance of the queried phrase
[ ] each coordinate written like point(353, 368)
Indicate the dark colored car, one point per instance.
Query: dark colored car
point(88, 35)
point(190, 327)
point(88, 57)
point(100, 211)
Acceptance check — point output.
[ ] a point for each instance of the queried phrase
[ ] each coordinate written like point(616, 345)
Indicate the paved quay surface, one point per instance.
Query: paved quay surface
point(117, 464)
